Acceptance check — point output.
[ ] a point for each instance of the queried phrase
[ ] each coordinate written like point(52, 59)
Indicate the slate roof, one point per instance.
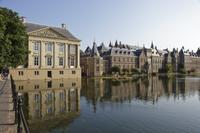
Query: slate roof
point(64, 32)
point(88, 50)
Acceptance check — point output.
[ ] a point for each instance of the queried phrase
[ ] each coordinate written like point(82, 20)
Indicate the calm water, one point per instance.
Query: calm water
point(147, 105)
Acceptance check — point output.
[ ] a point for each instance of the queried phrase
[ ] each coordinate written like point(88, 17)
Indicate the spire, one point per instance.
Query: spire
point(110, 44)
point(94, 51)
point(116, 43)
point(152, 46)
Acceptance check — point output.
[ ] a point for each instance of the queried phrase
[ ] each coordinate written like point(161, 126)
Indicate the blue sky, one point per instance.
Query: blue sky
point(169, 23)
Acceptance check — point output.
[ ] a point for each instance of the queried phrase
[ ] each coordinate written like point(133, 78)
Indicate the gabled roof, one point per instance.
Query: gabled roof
point(30, 27)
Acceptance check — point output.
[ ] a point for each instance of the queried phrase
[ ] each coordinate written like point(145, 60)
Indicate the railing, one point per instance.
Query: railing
point(20, 117)
point(22, 125)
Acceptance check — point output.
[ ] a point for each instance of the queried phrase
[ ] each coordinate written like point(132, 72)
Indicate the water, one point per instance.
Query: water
point(153, 105)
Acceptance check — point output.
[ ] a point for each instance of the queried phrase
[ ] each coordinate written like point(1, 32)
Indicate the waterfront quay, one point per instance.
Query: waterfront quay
point(7, 112)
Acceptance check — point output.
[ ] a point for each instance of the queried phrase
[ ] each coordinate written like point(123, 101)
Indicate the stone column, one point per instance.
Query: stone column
point(42, 54)
point(78, 56)
point(66, 56)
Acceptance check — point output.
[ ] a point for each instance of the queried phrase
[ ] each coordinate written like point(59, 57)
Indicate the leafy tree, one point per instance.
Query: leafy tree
point(13, 39)
point(115, 69)
point(133, 70)
point(124, 70)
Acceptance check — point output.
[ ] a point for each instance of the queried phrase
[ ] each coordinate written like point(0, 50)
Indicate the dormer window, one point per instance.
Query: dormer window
point(116, 51)
point(124, 52)
point(120, 52)
point(128, 52)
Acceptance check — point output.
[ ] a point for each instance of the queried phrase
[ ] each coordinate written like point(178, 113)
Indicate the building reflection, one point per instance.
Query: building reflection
point(50, 100)
point(147, 89)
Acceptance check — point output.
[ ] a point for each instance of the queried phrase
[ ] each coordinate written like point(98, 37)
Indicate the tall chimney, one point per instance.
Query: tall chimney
point(63, 26)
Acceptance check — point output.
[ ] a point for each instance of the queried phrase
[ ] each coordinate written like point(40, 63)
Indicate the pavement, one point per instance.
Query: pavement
point(7, 113)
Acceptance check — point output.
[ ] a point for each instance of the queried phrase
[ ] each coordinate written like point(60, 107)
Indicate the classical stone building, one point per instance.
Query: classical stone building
point(54, 54)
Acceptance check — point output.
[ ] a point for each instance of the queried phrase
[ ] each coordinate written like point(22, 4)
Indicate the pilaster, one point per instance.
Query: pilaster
point(66, 56)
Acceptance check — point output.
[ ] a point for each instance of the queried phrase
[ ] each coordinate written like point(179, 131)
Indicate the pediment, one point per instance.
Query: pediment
point(47, 32)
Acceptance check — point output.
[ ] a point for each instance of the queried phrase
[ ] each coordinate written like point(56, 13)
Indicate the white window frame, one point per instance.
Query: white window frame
point(49, 47)
point(61, 64)
point(72, 61)
point(49, 61)
point(36, 61)
point(61, 48)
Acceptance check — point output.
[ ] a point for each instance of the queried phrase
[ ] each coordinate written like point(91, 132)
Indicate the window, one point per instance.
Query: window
point(72, 49)
point(36, 46)
point(62, 95)
point(49, 47)
point(36, 60)
point(97, 61)
point(36, 72)
point(49, 97)
point(21, 73)
point(114, 58)
point(61, 48)
point(61, 61)
point(36, 98)
point(21, 87)
point(49, 84)
point(72, 61)
point(36, 86)
point(49, 61)
point(61, 85)
point(61, 72)
point(73, 72)
point(119, 59)
point(73, 84)
point(97, 68)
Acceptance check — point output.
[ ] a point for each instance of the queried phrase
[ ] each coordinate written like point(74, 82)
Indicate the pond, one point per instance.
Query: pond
point(93, 105)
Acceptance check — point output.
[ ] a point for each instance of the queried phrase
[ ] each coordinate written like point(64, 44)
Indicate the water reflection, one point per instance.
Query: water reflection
point(147, 89)
point(62, 105)
point(54, 102)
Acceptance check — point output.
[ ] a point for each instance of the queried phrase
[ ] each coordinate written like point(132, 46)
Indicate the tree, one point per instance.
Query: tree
point(133, 70)
point(115, 69)
point(13, 39)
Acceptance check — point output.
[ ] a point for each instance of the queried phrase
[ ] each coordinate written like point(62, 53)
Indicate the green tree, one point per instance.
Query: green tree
point(115, 69)
point(13, 39)
point(133, 70)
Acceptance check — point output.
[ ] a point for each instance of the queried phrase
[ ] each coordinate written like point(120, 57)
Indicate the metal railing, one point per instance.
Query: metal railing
point(22, 123)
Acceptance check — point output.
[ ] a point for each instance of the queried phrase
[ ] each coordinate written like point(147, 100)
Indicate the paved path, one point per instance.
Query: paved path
point(7, 113)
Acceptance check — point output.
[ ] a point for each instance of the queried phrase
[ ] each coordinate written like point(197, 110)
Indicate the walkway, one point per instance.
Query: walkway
point(7, 114)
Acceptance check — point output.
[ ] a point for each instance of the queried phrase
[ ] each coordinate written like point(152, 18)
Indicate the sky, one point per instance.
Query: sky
point(168, 23)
